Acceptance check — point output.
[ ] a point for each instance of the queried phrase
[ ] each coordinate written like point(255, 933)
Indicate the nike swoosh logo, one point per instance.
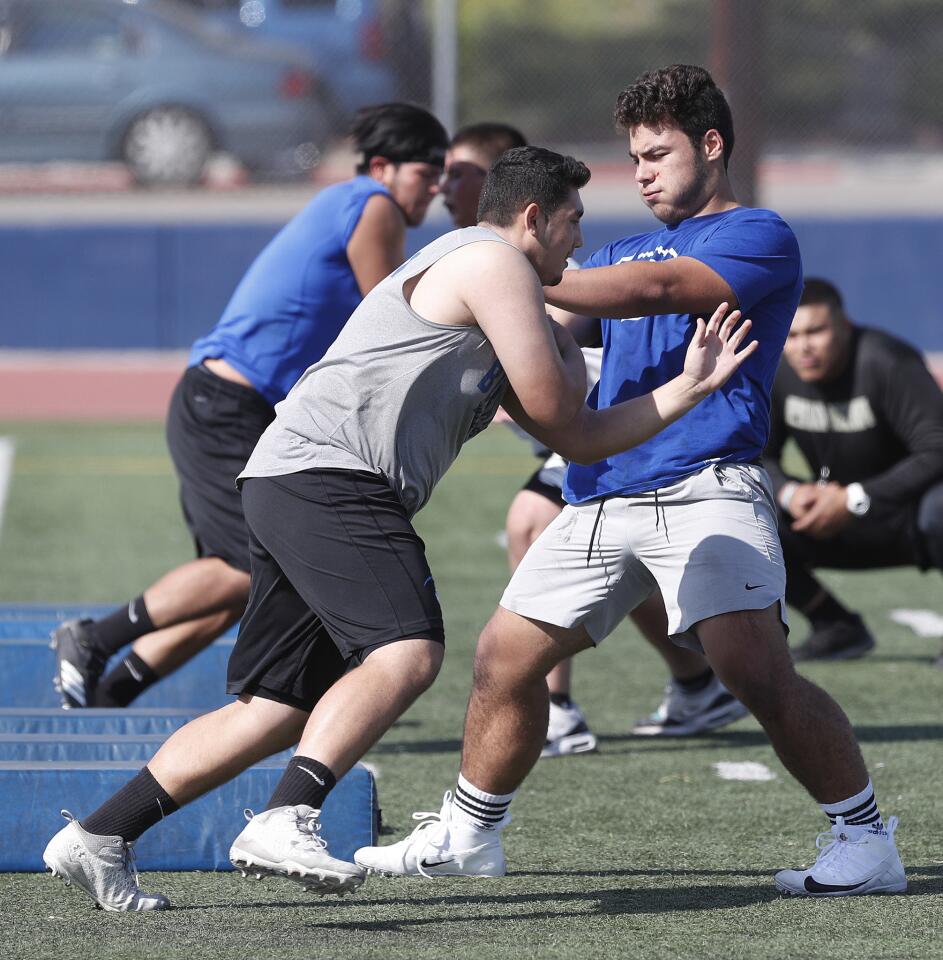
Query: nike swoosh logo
point(813, 886)
point(753, 586)
point(425, 864)
point(311, 773)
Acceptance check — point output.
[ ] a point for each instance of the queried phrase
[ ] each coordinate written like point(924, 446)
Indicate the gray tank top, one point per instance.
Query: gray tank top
point(395, 394)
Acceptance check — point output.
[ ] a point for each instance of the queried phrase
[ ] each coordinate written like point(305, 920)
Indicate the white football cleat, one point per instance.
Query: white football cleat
point(682, 714)
point(286, 842)
point(102, 867)
point(854, 860)
point(436, 849)
point(567, 732)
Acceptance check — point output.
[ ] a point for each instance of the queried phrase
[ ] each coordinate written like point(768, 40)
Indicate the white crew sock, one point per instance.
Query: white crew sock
point(478, 810)
point(859, 811)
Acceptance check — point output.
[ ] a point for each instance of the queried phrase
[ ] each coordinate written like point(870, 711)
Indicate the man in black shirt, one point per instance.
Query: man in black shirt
point(868, 417)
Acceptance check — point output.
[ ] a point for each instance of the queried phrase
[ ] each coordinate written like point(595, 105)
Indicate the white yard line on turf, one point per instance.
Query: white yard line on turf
point(6, 472)
point(743, 770)
point(924, 623)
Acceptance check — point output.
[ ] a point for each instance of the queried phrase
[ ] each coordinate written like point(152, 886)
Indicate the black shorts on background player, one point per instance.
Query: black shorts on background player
point(337, 571)
point(536, 483)
point(213, 426)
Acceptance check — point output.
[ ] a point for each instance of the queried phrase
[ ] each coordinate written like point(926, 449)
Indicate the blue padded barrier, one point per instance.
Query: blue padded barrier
point(129, 721)
point(51, 612)
point(197, 837)
point(92, 747)
point(38, 620)
point(28, 665)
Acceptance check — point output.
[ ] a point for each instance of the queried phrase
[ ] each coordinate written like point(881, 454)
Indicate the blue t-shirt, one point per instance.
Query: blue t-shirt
point(758, 255)
point(297, 295)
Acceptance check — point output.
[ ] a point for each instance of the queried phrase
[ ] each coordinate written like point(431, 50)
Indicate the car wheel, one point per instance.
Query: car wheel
point(167, 145)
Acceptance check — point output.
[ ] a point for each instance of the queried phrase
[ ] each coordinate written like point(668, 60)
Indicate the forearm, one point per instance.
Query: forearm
point(907, 479)
point(640, 289)
point(593, 435)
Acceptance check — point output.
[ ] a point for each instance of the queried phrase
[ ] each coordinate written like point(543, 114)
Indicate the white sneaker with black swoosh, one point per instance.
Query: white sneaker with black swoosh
point(286, 842)
point(853, 861)
point(437, 848)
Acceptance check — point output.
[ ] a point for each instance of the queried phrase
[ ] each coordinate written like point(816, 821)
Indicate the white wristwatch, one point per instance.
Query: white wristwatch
point(857, 501)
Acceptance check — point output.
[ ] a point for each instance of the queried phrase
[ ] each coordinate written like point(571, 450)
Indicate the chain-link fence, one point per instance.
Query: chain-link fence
point(162, 84)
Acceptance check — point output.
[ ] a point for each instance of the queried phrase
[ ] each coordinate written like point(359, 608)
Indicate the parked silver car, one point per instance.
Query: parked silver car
point(152, 85)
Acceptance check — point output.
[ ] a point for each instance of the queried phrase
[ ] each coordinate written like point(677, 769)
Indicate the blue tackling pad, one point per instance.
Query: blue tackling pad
point(197, 837)
point(118, 722)
point(28, 664)
point(52, 758)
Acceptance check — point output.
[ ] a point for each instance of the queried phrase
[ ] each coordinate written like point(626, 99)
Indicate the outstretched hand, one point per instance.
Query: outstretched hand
point(712, 355)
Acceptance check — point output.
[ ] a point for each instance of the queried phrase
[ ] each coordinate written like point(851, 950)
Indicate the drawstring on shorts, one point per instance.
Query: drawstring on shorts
point(592, 536)
point(659, 520)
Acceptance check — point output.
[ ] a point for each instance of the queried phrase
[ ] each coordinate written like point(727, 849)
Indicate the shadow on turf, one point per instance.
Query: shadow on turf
point(717, 739)
point(609, 902)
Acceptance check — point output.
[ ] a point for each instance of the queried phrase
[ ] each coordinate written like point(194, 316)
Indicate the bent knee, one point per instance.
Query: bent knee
point(513, 651)
point(761, 690)
point(414, 663)
point(429, 663)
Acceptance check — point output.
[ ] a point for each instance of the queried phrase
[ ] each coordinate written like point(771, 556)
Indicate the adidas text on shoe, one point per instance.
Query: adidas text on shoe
point(102, 867)
point(79, 665)
point(682, 714)
point(436, 849)
point(286, 842)
point(567, 732)
point(853, 861)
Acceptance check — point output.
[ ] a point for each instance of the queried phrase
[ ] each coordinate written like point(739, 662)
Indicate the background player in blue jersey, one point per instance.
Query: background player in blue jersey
point(690, 512)
point(285, 313)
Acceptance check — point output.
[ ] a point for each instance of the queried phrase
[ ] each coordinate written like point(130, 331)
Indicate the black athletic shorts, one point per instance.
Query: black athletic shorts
point(549, 490)
point(337, 571)
point(213, 426)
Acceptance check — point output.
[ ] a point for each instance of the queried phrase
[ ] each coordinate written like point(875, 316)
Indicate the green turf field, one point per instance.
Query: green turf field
point(638, 851)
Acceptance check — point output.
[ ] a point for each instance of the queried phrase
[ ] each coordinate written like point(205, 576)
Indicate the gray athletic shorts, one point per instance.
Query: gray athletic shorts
point(708, 542)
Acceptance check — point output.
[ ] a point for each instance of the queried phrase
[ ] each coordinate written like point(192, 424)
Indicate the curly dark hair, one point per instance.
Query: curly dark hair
point(684, 94)
point(527, 175)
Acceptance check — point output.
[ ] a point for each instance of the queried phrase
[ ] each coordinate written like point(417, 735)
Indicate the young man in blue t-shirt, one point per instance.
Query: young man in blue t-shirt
point(690, 512)
point(284, 314)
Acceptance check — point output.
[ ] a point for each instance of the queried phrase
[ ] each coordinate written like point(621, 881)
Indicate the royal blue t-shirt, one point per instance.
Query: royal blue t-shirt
point(758, 255)
point(297, 295)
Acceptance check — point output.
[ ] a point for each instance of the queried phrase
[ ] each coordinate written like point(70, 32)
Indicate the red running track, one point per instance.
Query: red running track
point(107, 386)
point(80, 386)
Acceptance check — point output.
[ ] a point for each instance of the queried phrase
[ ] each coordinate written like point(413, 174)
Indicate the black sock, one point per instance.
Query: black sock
point(122, 627)
point(560, 699)
point(305, 781)
point(136, 807)
point(828, 611)
point(124, 683)
point(696, 684)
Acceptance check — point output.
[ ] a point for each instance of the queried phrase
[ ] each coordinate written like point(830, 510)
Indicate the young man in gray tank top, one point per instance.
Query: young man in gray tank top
point(339, 576)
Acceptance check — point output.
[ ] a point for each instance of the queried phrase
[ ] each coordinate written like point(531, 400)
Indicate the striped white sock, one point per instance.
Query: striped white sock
point(861, 810)
point(477, 808)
